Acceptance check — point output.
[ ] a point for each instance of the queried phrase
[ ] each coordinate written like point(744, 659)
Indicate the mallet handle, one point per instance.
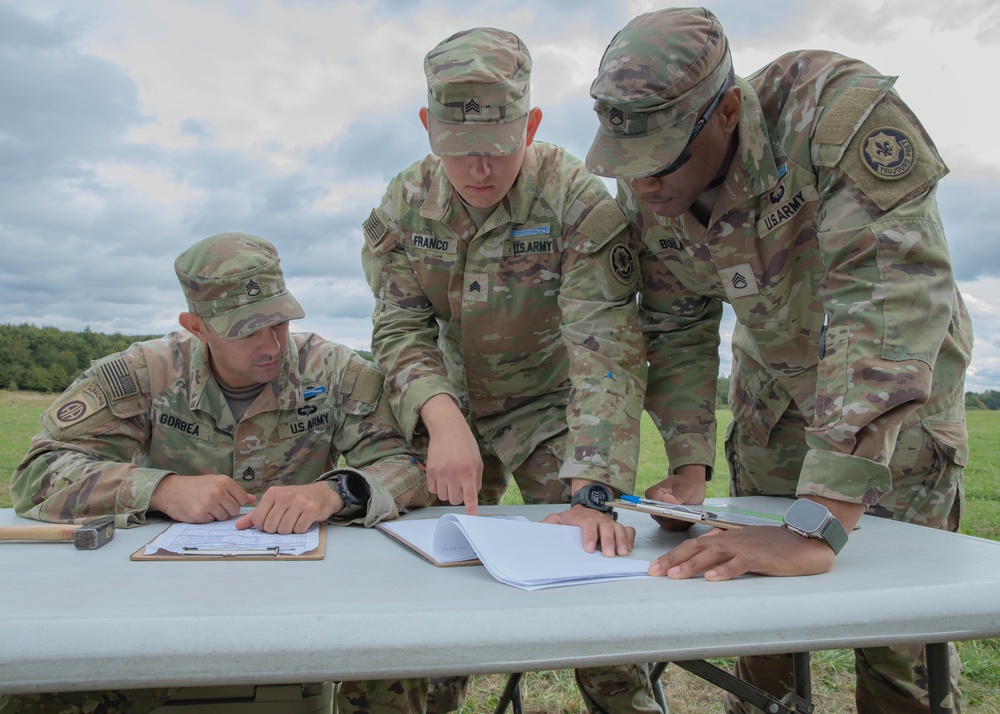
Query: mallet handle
point(45, 531)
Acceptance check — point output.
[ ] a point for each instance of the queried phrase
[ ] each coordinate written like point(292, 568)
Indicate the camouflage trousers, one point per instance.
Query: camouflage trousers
point(118, 701)
point(624, 688)
point(537, 477)
point(401, 696)
point(382, 696)
point(605, 690)
point(927, 490)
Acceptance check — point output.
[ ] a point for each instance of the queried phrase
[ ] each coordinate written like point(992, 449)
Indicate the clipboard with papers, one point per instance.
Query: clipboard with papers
point(220, 540)
point(718, 515)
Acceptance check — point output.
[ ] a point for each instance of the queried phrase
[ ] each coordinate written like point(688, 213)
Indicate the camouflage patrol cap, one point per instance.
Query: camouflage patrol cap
point(234, 283)
point(655, 77)
point(477, 93)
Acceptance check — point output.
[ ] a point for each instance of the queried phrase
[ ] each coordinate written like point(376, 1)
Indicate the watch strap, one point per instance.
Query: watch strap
point(834, 535)
point(353, 490)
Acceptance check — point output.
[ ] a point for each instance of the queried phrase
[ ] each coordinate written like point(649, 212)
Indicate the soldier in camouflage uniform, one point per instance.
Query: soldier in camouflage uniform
point(804, 196)
point(195, 425)
point(505, 317)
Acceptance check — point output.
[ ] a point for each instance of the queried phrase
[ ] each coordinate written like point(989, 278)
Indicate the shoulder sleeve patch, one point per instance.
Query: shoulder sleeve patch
point(604, 221)
point(889, 159)
point(617, 270)
point(362, 382)
point(83, 408)
point(375, 228)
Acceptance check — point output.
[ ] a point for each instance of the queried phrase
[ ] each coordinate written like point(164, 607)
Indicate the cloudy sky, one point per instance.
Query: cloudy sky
point(129, 130)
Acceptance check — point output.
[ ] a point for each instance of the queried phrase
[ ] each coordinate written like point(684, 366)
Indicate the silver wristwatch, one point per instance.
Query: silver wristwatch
point(814, 520)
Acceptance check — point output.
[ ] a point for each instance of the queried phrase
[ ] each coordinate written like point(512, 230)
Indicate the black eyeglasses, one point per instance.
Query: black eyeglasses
point(685, 155)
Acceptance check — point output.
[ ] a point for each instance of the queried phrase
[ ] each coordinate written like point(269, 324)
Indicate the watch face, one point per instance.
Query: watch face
point(352, 489)
point(598, 495)
point(808, 516)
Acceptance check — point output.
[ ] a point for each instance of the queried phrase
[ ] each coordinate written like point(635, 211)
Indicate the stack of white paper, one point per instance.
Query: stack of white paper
point(531, 555)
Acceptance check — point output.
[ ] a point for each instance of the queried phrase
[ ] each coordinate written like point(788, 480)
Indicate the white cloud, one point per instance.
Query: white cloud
point(980, 299)
point(155, 124)
point(155, 185)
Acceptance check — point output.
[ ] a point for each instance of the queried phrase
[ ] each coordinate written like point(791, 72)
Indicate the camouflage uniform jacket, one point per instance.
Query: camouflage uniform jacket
point(827, 242)
point(529, 322)
point(156, 409)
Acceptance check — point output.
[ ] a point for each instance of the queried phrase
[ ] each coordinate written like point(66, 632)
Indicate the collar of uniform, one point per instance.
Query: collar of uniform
point(755, 152)
point(289, 384)
point(204, 393)
point(439, 195)
point(522, 195)
point(207, 396)
point(200, 376)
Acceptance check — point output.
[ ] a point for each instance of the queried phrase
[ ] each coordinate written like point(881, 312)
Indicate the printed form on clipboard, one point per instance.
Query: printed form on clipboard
point(222, 540)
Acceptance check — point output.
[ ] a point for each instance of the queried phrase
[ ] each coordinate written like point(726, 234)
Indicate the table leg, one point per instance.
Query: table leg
point(802, 674)
point(938, 677)
point(655, 672)
point(511, 695)
point(790, 704)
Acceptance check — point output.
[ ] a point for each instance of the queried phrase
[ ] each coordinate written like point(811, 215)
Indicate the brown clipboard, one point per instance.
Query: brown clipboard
point(316, 553)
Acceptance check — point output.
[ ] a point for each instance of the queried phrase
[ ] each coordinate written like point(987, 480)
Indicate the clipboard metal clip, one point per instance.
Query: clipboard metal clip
point(234, 553)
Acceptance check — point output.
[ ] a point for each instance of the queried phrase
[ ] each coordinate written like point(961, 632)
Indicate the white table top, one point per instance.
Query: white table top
point(72, 620)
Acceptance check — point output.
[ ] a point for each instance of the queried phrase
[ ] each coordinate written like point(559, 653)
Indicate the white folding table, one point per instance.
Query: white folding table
point(80, 620)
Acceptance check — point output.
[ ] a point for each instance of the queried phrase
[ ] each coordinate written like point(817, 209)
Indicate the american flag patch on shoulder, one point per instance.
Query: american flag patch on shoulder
point(374, 228)
point(118, 379)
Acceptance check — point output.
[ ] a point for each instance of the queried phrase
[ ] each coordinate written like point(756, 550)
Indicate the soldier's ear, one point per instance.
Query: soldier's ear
point(534, 119)
point(193, 324)
point(729, 109)
point(423, 117)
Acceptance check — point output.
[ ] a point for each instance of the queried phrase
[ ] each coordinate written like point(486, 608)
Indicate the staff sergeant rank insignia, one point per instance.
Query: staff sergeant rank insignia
point(887, 153)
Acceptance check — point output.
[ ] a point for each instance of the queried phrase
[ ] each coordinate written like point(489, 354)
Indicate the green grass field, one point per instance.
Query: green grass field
point(555, 692)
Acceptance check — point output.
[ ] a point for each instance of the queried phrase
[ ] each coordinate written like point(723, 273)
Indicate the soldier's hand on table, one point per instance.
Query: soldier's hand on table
point(454, 464)
point(685, 486)
point(292, 509)
point(598, 528)
point(763, 550)
point(199, 499)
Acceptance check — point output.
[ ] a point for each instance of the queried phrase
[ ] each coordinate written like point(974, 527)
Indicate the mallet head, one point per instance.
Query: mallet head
point(95, 533)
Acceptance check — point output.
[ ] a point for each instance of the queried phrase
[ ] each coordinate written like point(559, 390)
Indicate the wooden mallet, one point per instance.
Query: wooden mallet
point(89, 536)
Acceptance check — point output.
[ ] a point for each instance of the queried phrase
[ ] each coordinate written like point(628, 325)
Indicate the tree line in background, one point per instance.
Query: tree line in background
point(46, 359)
